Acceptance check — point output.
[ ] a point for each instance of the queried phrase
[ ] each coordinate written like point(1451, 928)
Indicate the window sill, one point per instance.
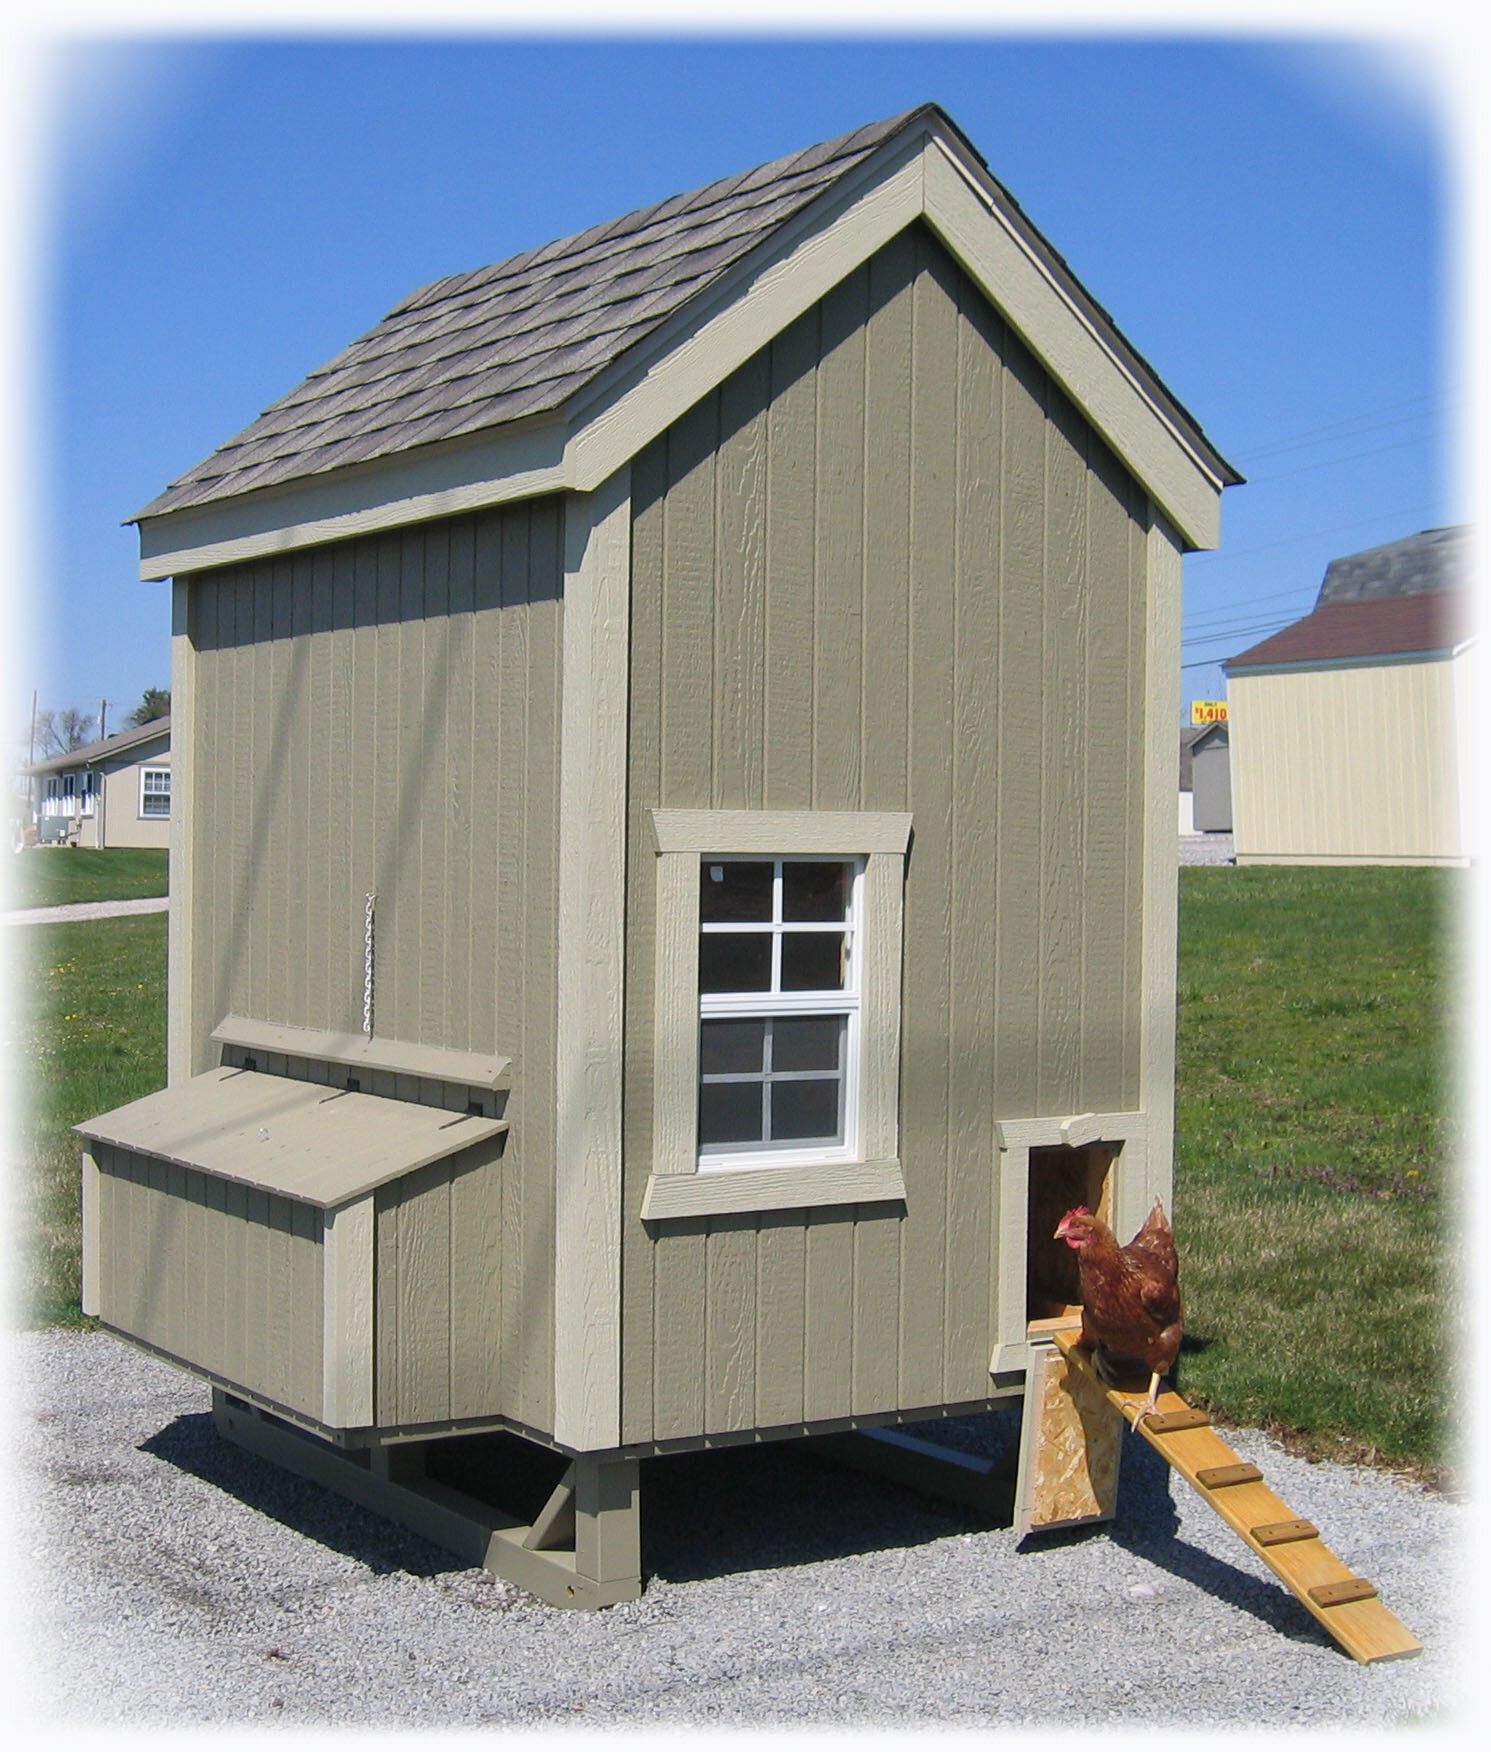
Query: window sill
point(772, 1189)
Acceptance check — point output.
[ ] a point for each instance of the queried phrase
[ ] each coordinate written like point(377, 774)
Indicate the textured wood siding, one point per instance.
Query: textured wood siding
point(1351, 765)
point(216, 1273)
point(887, 566)
point(382, 715)
point(439, 1313)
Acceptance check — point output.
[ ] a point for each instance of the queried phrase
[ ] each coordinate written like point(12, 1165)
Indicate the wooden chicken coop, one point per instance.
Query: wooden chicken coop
point(673, 862)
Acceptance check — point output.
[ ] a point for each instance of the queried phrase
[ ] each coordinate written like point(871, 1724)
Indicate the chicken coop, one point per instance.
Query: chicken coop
point(673, 868)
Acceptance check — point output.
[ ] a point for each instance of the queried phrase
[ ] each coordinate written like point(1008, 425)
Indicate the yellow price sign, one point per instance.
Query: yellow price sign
point(1208, 711)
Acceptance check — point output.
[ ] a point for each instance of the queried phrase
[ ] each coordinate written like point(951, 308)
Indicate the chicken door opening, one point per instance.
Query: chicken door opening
point(1060, 1178)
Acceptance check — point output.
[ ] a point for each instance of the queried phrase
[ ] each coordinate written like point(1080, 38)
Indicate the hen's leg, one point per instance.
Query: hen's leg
point(1152, 1403)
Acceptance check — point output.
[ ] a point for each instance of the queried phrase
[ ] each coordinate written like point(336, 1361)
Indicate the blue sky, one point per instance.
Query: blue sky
point(1270, 221)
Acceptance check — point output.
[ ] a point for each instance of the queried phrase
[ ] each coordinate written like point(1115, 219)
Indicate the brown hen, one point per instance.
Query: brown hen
point(1130, 1295)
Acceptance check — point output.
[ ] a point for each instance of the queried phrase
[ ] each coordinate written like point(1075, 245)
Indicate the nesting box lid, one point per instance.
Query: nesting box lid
point(304, 1141)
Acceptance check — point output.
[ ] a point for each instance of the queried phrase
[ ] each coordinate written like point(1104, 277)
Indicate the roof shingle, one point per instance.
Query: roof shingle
point(1390, 626)
point(475, 349)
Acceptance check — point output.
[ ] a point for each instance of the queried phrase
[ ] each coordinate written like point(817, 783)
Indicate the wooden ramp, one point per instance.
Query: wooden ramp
point(1347, 1605)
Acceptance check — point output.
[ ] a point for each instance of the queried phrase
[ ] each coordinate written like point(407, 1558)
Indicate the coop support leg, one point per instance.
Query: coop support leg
point(608, 1523)
point(583, 1550)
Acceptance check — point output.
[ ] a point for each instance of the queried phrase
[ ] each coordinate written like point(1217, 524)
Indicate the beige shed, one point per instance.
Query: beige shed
point(676, 882)
point(1348, 728)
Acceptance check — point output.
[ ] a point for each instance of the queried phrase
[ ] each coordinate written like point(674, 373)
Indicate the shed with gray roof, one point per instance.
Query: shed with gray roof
point(1347, 726)
point(696, 701)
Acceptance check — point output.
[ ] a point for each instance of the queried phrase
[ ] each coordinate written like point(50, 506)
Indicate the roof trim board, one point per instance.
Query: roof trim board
point(925, 172)
point(1367, 660)
point(321, 1146)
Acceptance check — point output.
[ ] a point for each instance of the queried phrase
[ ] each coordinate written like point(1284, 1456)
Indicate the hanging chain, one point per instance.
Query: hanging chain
point(367, 969)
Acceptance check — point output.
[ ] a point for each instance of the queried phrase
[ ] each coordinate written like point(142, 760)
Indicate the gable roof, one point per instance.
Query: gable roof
point(547, 371)
point(92, 753)
point(518, 338)
point(1360, 630)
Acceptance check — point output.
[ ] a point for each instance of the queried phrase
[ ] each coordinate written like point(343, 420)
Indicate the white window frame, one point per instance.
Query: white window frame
point(765, 1005)
point(867, 1166)
point(155, 814)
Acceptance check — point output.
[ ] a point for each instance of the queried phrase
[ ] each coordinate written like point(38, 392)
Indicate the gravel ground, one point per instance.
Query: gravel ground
point(1206, 848)
point(169, 1579)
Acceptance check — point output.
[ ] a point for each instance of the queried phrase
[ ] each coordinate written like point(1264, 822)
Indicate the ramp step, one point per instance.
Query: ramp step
point(1218, 1477)
point(1165, 1423)
point(1344, 1603)
point(1343, 1593)
point(1284, 1532)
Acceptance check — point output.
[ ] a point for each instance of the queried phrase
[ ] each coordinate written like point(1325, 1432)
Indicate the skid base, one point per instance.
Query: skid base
point(582, 1551)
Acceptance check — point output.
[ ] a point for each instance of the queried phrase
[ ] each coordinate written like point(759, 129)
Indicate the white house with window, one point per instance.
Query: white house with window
point(111, 793)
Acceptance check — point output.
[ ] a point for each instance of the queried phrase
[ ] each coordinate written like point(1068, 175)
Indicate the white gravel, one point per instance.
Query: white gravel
point(1206, 848)
point(169, 1579)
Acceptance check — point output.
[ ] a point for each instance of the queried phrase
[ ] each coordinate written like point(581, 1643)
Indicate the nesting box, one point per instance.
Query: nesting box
point(673, 876)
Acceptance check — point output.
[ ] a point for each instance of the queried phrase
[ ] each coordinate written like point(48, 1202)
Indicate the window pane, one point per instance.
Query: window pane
point(813, 892)
point(730, 1113)
point(731, 961)
point(812, 961)
point(726, 1046)
point(732, 894)
point(806, 1043)
point(809, 1109)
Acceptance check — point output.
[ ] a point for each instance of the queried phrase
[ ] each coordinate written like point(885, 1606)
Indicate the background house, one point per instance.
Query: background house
point(676, 891)
point(1348, 728)
point(111, 793)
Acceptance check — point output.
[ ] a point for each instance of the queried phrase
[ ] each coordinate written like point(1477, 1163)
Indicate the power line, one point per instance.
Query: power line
point(1297, 439)
point(1289, 474)
point(1193, 560)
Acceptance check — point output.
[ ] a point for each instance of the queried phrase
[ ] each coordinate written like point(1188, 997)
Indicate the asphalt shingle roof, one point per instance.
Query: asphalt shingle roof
point(478, 349)
point(1388, 626)
point(1434, 559)
point(93, 752)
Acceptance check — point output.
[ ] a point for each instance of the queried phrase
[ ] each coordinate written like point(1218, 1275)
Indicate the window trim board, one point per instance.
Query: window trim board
point(678, 1184)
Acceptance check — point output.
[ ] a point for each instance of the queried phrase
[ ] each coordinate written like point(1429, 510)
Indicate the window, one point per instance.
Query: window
point(778, 1008)
point(155, 791)
point(90, 790)
point(777, 1028)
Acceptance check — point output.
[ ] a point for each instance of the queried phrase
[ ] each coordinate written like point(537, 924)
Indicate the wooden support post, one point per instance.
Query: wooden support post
point(608, 1542)
point(583, 1550)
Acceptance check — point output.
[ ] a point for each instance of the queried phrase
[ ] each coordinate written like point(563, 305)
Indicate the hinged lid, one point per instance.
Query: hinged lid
point(306, 1141)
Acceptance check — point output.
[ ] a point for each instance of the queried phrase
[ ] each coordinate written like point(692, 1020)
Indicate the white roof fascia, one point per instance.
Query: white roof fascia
point(920, 174)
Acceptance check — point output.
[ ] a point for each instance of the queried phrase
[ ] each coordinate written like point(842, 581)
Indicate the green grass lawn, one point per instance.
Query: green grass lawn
point(66, 875)
point(88, 1033)
point(1314, 1153)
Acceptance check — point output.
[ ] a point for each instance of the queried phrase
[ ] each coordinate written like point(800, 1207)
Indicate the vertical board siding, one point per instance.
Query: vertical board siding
point(1354, 763)
point(438, 1292)
point(208, 1271)
point(888, 566)
point(381, 716)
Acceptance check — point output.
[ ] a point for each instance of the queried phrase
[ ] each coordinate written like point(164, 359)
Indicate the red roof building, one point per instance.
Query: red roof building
point(1346, 727)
